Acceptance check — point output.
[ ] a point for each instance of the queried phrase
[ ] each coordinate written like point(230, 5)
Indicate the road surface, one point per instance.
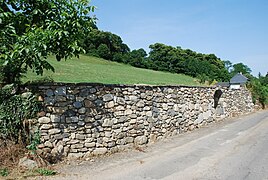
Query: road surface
point(234, 149)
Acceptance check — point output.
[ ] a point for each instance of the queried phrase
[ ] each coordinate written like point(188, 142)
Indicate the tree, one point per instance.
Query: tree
point(228, 65)
point(104, 52)
point(137, 58)
point(96, 38)
point(178, 60)
point(240, 68)
point(33, 30)
point(259, 91)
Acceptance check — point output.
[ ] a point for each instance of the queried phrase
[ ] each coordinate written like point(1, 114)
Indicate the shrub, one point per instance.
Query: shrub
point(46, 172)
point(14, 109)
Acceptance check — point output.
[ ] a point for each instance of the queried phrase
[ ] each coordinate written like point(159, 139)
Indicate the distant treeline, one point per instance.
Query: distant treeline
point(205, 67)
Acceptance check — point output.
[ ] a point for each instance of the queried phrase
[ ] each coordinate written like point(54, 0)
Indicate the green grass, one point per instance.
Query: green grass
point(96, 70)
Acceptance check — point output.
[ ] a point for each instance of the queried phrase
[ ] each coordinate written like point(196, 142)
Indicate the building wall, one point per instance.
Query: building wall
point(94, 119)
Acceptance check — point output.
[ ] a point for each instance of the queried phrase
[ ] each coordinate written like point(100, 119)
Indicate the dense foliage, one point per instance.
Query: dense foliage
point(32, 30)
point(14, 109)
point(259, 89)
point(186, 61)
point(105, 45)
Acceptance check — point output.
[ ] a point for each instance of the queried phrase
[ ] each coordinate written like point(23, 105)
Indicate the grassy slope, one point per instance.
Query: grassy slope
point(91, 69)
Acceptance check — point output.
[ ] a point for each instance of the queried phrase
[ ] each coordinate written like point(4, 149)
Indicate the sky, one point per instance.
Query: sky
point(234, 30)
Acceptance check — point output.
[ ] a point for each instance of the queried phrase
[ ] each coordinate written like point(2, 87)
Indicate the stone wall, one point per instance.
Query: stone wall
point(94, 119)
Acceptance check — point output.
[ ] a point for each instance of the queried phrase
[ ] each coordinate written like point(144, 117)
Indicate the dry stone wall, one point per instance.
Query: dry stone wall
point(94, 119)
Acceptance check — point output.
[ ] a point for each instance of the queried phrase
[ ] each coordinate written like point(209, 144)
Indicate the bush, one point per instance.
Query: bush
point(46, 172)
point(14, 109)
point(4, 172)
point(259, 92)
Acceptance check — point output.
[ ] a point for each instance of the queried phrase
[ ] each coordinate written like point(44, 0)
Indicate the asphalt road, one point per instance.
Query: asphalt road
point(234, 149)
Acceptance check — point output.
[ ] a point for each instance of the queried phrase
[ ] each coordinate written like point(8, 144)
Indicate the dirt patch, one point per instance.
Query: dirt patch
point(10, 154)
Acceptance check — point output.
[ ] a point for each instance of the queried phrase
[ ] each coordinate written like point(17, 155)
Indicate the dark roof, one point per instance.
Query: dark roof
point(239, 78)
point(223, 84)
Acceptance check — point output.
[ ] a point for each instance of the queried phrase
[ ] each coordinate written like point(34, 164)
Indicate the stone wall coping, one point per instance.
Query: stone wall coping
point(118, 85)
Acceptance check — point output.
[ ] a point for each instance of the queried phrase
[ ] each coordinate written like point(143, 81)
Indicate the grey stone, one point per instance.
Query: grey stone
point(133, 116)
point(58, 136)
point(199, 119)
point(107, 123)
point(49, 101)
point(90, 145)
point(81, 123)
point(98, 117)
point(89, 140)
point(108, 97)
point(122, 119)
point(140, 104)
point(149, 113)
point(65, 135)
point(73, 142)
point(60, 99)
point(54, 131)
point(73, 119)
point(133, 98)
point(99, 102)
point(100, 151)
point(197, 106)
point(60, 149)
point(44, 120)
point(108, 134)
point(73, 156)
point(111, 144)
point(55, 118)
point(140, 140)
point(70, 97)
point(165, 107)
point(220, 111)
point(146, 108)
point(79, 146)
point(110, 104)
point(128, 112)
point(60, 110)
point(133, 121)
point(84, 92)
point(89, 119)
point(48, 144)
point(171, 112)
point(120, 101)
point(129, 139)
point(120, 108)
point(60, 91)
point(77, 104)
point(27, 163)
point(92, 90)
point(153, 137)
point(49, 92)
point(92, 97)
point(46, 126)
point(82, 110)
point(80, 136)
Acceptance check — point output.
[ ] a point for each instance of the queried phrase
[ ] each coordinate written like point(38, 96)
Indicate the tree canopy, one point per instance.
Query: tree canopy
point(105, 45)
point(32, 30)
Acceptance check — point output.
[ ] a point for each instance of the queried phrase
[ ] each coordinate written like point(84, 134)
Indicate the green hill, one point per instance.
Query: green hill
point(92, 69)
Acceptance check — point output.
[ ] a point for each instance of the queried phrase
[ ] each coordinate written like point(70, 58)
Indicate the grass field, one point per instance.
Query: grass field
point(92, 69)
